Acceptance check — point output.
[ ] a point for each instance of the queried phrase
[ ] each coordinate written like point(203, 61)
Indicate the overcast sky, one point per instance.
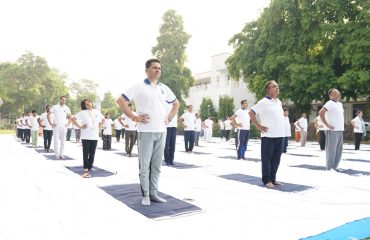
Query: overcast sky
point(109, 41)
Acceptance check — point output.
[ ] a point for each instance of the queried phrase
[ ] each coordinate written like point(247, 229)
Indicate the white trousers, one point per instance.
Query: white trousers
point(59, 138)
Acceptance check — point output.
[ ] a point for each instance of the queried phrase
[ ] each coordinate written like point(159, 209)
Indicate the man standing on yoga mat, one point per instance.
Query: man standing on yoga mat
point(150, 97)
point(332, 115)
point(271, 115)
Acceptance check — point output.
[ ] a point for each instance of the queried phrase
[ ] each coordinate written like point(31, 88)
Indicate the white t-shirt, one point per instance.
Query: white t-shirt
point(271, 115)
point(198, 124)
point(222, 125)
point(173, 122)
point(244, 118)
point(45, 122)
point(189, 121)
point(303, 123)
point(334, 115)
point(287, 128)
point(322, 126)
point(151, 100)
point(60, 114)
point(227, 124)
point(117, 125)
point(33, 122)
point(107, 126)
point(132, 126)
point(208, 123)
point(359, 124)
point(25, 121)
point(92, 118)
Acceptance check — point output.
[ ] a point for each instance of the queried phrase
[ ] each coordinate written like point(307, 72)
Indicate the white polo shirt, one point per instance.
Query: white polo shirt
point(244, 119)
point(208, 123)
point(303, 123)
point(132, 126)
point(92, 119)
point(117, 125)
point(173, 122)
point(359, 124)
point(33, 122)
point(227, 124)
point(198, 125)
point(60, 114)
point(151, 100)
point(44, 119)
point(189, 121)
point(334, 115)
point(107, 126)
point(271, 115)
point(287, 128)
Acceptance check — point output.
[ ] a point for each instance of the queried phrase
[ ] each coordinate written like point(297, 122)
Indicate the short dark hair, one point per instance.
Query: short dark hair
point(83, 105)
point(243, 101)
point(150, 61)
point(267, 85)
point(286, 109)
point(62, 97)
point(47, 106)
point(189, 106)
point(106, 114)
point(33, 111)
point(358, 112)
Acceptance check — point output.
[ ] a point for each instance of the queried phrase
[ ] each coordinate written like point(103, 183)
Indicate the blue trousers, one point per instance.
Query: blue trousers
point(169, 149)
point(271, 150)
point(285, 144)
point(189, 140)
point(243, 137)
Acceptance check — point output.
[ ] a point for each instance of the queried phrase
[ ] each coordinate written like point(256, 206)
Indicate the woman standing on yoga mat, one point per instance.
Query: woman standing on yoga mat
point(89, 120)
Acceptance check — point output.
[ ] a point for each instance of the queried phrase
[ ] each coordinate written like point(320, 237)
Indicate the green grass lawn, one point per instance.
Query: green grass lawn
point(7, 131)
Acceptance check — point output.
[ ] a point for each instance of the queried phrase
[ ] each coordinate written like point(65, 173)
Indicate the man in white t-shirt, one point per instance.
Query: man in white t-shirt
point(27, 129)
point(302, 124)
point(208, 129)
point(188, 122)
point(271, 115)
point(332, 115)
point(228, 128)
point(197, 129)
point(47, 128)
point(60, 113)
point(359, 128)
point(243, 128)
point(33, 124)
point(107, 132)
point(118, 128)
point(150, 97)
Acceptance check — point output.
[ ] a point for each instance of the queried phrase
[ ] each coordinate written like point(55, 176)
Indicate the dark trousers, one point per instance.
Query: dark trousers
point(271, 149)
point(358, 137)
point(20, 134)
point(48, 135)
point(243, 137)
point(130, 139)
point(107, 142)
point(196, 138)
point(78, 134)
point(169, 149)
point(69, 133)
point(118, 134)
point(285, 144)
point(88, 152)
point(189, 140)
point(322, 140)
point(222, 133)
point(27, 135)
point(236, 138)
point(227, 135)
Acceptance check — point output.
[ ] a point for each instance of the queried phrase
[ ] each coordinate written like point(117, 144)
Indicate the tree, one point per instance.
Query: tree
point(207, 109)
point(226, 107)
point(170, 50)
point(80, 90)
point(108, 105)
point(308, 47)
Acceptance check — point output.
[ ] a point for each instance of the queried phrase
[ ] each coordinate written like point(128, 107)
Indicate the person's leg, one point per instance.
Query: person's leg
point(239, 145)
point(275, 160)
point(46, 135)
point(127, 141)
point(173, 145)
point(339, 148)
point(145, 144)
point(267, 151)
point(285, 144)
point(196, 138)
point(156, 162)
point(36, 137)
point(61, 139)
point(322, 140)
point(330, 147)
point(85, 153)
point(236, 138)
point(186, 140)
point(358, 137)
point(118, 135)
point(78, 135)
point(33, 137)
point(303, 136)
point(167, 147)
point(191, 140)
point(109, 142)
point(105, 142)
point(132, 141)
point(92, 149)
point(123, 133)
point(28, 135)
point(245, 144)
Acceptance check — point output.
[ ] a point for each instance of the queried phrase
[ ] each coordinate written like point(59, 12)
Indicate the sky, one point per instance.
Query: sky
point(109, 41)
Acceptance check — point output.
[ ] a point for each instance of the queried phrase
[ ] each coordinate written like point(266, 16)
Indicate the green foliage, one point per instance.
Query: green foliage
point(207, 109)
point(226, 107)
point(170, 50)
point(108, 105)
point(29, 84)
point(308, 47)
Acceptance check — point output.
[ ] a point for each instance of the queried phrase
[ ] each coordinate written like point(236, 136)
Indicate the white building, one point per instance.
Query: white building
point(216, 83)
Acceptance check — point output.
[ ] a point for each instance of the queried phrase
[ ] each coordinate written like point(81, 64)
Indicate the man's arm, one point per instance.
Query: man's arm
point(323, 119)
point(175, 108)
point(233, 117)
point(48, 116)
point(253, 118)
point(127, 111)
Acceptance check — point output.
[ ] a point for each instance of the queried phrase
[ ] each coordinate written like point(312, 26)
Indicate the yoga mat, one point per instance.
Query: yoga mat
point(235, 158)
point(196, 153)
point(126, 155)
point(351, 172)
point(302, 155)
point(94, 172)
point(356, 160)
point(55, 158)
point(130, 194)
point(285, 187)
point(359, 229)
point(179, 165)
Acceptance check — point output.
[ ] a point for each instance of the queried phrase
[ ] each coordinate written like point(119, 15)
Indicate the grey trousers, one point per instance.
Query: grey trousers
point(151, 148)
point(303, 137)
point(334, 148)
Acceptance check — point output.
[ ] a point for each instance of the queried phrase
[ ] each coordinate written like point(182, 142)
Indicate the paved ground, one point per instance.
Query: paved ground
point(41, 199)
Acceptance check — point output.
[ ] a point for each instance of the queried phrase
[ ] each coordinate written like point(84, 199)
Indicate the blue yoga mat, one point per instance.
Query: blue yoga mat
point(285, 187)
point(130, 194)
point(94, 172)
point(351, 172)
point(359, 229)
point(179, 165)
